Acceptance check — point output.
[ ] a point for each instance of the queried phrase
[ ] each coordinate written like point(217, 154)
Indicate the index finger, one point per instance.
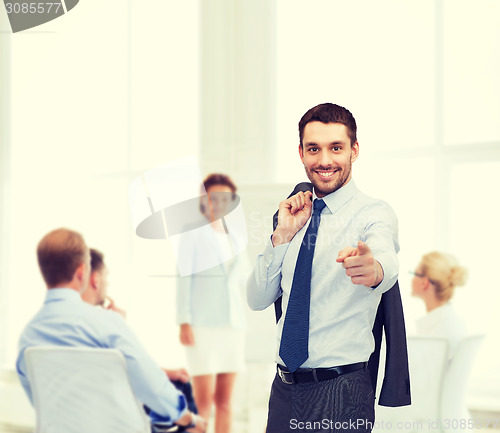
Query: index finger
point(353, 261)
point(346, 252)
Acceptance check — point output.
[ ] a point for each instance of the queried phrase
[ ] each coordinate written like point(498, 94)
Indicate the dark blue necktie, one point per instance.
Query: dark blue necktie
point(295, 335)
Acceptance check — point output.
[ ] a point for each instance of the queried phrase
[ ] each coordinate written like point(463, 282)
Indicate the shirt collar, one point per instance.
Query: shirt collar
point(62, 294)
point(337, 199)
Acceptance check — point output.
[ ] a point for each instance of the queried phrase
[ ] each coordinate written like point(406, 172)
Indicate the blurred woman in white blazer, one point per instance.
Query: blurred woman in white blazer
point(211, 308)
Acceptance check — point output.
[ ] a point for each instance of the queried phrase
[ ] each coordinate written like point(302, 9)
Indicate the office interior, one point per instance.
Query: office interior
point(95, 98)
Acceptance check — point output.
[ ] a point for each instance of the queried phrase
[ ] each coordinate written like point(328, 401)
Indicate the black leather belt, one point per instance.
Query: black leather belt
point(303, 375)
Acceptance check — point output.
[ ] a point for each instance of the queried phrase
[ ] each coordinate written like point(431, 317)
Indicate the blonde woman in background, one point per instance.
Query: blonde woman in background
point(435, 279)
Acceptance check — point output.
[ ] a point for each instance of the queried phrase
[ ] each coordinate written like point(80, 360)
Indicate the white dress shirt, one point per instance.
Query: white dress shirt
point(341, 313)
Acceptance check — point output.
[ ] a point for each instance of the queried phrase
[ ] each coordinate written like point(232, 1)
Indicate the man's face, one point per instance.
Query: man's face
point(86, 272)
point(327, 156)
point(101, 282)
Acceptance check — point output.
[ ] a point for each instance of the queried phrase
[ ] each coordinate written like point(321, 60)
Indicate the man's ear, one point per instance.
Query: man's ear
point(94, 280)
point(80, 272)
point(354, 151)
point(301, 152)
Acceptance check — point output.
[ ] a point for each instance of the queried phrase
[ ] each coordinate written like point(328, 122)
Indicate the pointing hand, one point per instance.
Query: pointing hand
point(360, 265)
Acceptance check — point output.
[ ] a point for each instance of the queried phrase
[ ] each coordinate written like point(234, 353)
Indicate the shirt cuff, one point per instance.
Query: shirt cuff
point(390, 268)
point(273, 256)
point(181, 411)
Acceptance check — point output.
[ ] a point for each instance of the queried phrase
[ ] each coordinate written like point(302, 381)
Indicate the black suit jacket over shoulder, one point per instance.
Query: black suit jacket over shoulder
point(395, 390)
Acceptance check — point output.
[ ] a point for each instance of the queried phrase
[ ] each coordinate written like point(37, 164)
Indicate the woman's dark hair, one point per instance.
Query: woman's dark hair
point(217, 179)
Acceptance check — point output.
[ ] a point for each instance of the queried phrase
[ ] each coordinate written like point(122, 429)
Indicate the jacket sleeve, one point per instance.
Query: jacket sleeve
point(395, 390)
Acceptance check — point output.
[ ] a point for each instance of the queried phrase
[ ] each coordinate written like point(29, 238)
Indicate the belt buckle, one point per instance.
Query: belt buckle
point(281, 374)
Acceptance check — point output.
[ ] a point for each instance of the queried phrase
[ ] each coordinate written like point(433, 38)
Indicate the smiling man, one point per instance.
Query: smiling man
point(331, 257)
point(327, 154)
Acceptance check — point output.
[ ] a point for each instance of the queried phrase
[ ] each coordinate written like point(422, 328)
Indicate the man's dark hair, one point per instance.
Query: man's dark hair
point(96, 260)
point(329, 113)
point(59, 253)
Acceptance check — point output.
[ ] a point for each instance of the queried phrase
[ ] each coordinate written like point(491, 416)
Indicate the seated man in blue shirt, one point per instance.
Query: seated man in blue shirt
point(64, 261)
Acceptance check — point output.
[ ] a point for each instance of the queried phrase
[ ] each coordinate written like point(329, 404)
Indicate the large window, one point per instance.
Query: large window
point(97, 97)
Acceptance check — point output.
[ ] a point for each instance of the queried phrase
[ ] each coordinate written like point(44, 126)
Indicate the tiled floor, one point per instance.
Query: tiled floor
point(253, 420)
point(245, 426)
point(7, 429)
point(487, 419)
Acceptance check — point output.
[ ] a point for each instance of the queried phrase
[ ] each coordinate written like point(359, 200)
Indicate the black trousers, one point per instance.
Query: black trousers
point(343, 404)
